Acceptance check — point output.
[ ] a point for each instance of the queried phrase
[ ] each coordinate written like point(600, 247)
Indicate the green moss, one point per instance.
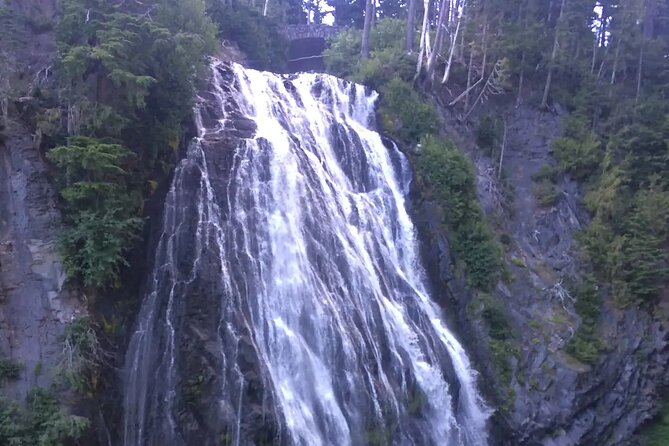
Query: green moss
point(535, 324)
point(518, 262)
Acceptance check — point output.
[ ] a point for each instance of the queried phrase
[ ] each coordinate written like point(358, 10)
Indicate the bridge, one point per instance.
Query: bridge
point(311, 31)
point(306, 45)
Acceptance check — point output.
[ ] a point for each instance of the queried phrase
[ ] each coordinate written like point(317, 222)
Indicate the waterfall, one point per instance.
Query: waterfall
point(287, 302)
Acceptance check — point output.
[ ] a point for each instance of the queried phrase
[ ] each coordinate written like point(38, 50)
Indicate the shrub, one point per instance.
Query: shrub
point(579, 152)
point(101, 212)
point(384, 66)
point(449, 176)
point(405, 114)
point(487, 135)
point(40, 423)
point(342, 55)
point(260, 38)
point(387, 57)
point(586, 344)
point(657, 433)
point(9, 369)
point(83, 357)
point(547, 194)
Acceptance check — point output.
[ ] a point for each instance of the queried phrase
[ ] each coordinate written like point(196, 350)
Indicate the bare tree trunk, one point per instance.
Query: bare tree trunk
point(615, 62)
point(648, 32)
point(501, 154)
point(521, 80)
point(484, 46)
point(469, 75)
point(411, 25)
point(461, 48)
point(594, 56)
point(554, 53)
point(264, 9)
point(367, 29)
point(424, 38)
point(443, 13)
point(449, 62)
point(639, 74)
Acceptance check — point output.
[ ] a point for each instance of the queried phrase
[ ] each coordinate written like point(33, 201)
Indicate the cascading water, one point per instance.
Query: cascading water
point(287, 304)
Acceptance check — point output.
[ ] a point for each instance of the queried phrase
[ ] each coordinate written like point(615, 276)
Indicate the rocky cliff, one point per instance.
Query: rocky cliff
point(552, 398)
point(35, 302)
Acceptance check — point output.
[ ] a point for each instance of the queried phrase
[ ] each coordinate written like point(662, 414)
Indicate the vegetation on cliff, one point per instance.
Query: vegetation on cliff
point(40, 423)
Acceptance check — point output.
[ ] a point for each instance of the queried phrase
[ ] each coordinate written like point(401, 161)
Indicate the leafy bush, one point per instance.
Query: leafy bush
point(9, 369)
point(487, 135)
point(579, 152)
point(545, 186)
point(101, 215)
point(405, 114)
point(387, 56)
point(586, 344)
point(547, 194)
point(657, 433)
point(82, 358)
point(384, 66)
point(449, 177)
point(502, 349)
point(40, 423)
point(259, 37)
point(343, 53)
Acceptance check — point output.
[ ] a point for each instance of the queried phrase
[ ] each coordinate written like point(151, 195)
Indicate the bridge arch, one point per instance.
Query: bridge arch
point(306, 45)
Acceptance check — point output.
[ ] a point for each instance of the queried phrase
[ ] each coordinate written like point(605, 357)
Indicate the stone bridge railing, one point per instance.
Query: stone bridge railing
point(304, 31)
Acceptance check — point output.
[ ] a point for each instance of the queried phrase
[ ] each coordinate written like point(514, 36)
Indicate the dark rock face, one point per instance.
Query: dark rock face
point(558, 401)
point(35, 303)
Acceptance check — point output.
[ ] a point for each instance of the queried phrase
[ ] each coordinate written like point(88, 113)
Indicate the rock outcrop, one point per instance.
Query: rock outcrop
point(555, 400)
point(35, 302)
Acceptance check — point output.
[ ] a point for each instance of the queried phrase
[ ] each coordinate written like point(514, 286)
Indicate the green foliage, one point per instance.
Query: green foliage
point(387, 60)
point(83, 357)
point(586, 345)
point(545, 186)
point(101, 216)
point(405, 114)
point(488, 133)
point(9, 369)
point(341, 57)
point(260, 38)
point(657, 433)
point(128, 73)
point(579, 152)
point(501, 346)
point(40, 423)
point(384, 66)
point(449, 176)
point(137, 65)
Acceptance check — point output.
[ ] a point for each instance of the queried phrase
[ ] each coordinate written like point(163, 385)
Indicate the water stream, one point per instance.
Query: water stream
point(300, 240)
